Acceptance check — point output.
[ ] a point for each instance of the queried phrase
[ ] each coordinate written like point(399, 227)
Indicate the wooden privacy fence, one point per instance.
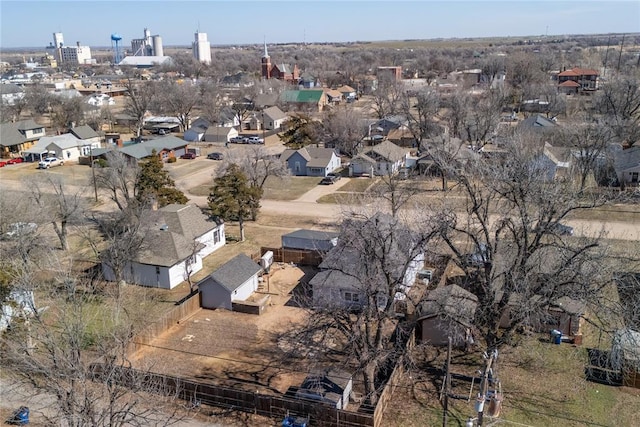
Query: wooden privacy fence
point(277, 407)
point(186, 308)
point(296, 256)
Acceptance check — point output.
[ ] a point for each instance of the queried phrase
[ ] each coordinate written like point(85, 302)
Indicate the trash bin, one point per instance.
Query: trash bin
point(20, 417)
point(556, 336)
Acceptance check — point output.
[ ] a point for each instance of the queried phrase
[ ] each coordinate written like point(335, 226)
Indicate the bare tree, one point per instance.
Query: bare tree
point(140, 98)
point(177, 98)
point(119, 179)
point(66, 113)
point(344, 127)
point(258, 165)
point(420, 112)
point(60, 204)
point(483, 116)
point(386, 98)
point(55, 350)
point(374, 254)
point(618, 101)
point(508, 241)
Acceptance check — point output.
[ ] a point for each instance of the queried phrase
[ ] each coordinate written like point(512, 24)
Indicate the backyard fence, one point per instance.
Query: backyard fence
point(296, 256)
point(277, 407)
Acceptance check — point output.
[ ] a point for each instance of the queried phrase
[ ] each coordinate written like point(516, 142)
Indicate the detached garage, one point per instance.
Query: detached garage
point(234, 281)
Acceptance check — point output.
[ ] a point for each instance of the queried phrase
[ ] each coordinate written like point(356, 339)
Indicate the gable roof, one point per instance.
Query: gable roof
point(166, 248)
point(334, 93)
point(186, 220)
point(450, 301)
point(387, 150)
point(84, 132)
point(274, 113)
point(64, 141)
point(14, 133)
point(536, 122)
point(315, 156)
point(235, 272)
point(145, 149)
point(10, 88)
point(345, 89)
point(576, 71)
point(569, 83)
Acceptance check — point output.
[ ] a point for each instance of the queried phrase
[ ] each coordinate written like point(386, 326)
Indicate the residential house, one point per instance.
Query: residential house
point(179, 238)
point(555, 162)
point(387, 124)
point(274, 118)
point(265, 100)
point(311, 161)
point(17, 137)
point(385, 158)
point(197, 130)
point(333, 96)
point(627, 166)
point(586, 80)
point(165, 147)
point(100, 99)
point(11, 93)
point(347, 92)
point(447, 311)
point(219, 134)
point(310, 240)
point(86, 134)
point(307, 81)
point(236, 280)
point(67, 147)
point(304, 100)
point(240, 79)
point(536, 123)
point(350, 278)
point(392, 73)
point(402, 137)
point(332, 386)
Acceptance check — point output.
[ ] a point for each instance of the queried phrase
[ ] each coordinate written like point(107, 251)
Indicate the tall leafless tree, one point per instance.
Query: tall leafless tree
point(178, 99)
point(119, 179)
point(140, 97)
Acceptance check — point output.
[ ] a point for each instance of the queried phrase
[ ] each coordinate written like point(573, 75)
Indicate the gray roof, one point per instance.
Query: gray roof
point(387, 150)
point(312, 234)
point(145, 149)
point(166, 248)
point(451, 301)
point(187, 220)
point(235, 272)
point(315, 156)
point(627, 159)
point(274, 113)
point(9, 88)
point(536, 122)
point(84, 132)
point(13, 133)
point(144, 61)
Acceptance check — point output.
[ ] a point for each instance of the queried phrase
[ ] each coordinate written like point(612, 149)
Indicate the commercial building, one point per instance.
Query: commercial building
point(202, 48)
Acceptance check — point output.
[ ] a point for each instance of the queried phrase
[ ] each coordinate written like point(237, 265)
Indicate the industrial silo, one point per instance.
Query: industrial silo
point(157, 46)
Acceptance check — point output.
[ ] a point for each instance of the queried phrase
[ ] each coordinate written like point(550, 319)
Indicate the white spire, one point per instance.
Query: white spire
point(266, 54)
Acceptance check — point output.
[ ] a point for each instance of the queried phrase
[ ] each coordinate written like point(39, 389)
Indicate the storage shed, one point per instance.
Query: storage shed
point(330, 386)
point(234, 281)
point(311, 240)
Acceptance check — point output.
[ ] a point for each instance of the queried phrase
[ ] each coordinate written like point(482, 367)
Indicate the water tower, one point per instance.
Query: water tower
point(115, 44)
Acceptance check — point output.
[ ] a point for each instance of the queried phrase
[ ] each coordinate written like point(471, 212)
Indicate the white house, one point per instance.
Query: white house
point(67, 147)
point(219, 134)
point(100, 99)
point(311, 161)
point(385, 158)
point(197, 130)
point(181, 236)
point(234, 281)
point(274, 118)
point(11, 93)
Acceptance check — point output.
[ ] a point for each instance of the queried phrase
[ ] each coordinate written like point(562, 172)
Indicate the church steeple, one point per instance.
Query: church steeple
point(266, 54)
point(266, 63)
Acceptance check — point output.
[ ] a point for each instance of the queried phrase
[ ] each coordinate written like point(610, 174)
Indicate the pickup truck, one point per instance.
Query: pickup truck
point(255, 140)
point(238, 140)
point(50, 161)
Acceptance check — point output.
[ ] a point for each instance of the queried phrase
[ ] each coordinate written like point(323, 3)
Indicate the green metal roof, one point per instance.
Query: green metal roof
point(309, 96)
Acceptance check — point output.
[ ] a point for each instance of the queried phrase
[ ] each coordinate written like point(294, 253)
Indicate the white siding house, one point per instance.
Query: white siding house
point(385, 158)
point(174, 248)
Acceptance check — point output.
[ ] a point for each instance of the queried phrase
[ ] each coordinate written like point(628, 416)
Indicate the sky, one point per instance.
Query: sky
point(28, 23)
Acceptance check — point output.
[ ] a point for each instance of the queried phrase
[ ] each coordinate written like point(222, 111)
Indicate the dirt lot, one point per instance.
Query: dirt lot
point(235, 349)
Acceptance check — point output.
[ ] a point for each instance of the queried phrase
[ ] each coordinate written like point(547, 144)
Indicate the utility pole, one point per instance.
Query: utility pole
point(484, 385)
point(447, 386)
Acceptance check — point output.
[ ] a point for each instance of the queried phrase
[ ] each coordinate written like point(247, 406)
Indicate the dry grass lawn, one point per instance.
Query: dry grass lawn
point(289, 188)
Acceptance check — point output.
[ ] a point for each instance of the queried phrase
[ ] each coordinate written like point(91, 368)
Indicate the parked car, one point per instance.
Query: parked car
point(15, 161)
point(163, 132)
point(557, 228)
point(189, 156)
point(50, 161)
point(239, 140)
point(255, 140)
point(335, 176)
point(328, 180)
point(3, 163)
point(215, 156)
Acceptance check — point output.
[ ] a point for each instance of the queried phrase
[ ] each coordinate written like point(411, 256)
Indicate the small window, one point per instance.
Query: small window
point(157, 270)
point(634, 177)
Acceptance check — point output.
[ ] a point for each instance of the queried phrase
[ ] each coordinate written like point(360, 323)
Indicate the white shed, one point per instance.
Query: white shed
point(234, 281)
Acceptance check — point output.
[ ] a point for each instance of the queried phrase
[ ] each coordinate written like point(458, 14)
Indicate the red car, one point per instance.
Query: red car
point(3, 163)
point(190, 156)
point(15, 161)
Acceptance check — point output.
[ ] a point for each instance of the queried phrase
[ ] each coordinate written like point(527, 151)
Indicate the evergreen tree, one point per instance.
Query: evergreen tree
point(232, 198)
point(301, 130)
point(154, 183)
